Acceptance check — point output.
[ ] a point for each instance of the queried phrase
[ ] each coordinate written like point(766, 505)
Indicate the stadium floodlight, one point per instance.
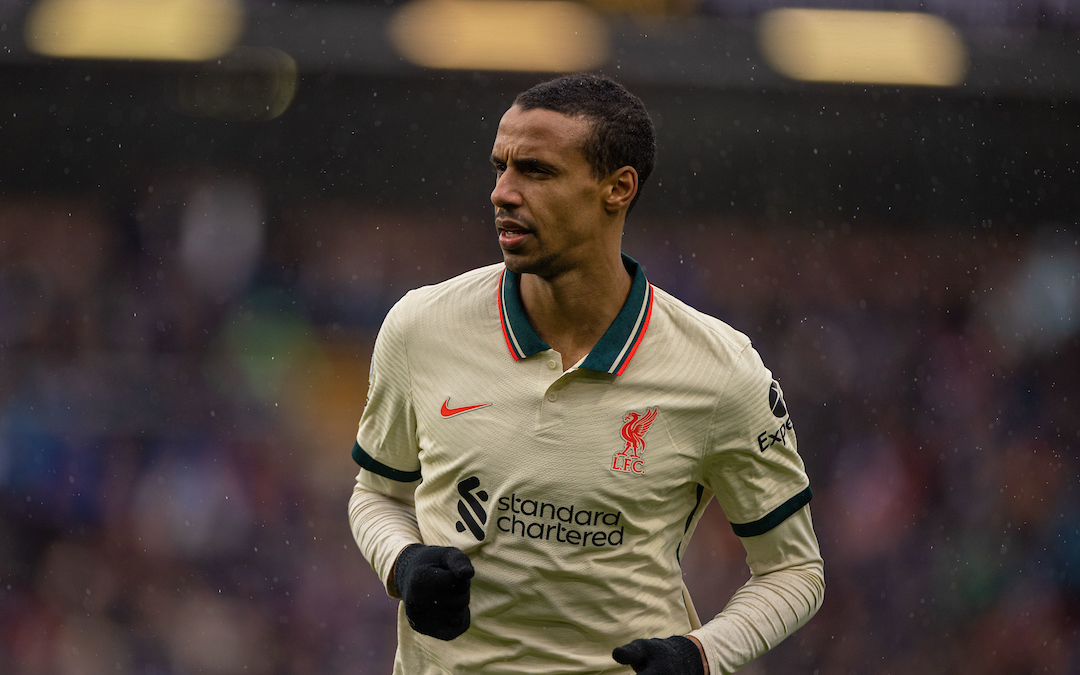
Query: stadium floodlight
point(867, 47)
point(521, 35)
point(248, 84)
point(173, 30)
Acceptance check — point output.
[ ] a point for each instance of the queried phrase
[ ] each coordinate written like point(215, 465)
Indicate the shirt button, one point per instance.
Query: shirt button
point(553, 397)
point(552, 365)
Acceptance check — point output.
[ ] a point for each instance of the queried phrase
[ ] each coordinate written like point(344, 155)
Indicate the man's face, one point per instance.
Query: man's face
point(548, 205)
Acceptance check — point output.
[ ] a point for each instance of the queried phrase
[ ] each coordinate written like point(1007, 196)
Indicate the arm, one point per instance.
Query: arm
point(751, 463)
point(432, 581)
point(786, 588)
point(382, 511)
point(383, 522)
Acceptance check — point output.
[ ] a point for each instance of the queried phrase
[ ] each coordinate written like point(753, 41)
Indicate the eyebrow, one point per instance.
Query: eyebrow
point(526, 163)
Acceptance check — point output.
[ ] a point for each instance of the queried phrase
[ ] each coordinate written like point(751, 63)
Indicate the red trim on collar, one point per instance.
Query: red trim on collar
point(502, 319)
point(641, 333)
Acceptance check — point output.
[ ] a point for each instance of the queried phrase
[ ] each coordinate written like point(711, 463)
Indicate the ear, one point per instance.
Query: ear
point(620, 188)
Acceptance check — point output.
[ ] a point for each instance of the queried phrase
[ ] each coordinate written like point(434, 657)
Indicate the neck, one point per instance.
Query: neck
point(572, 311)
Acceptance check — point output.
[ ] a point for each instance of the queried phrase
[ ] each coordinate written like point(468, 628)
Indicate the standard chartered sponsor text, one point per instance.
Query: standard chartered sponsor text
point(534, 519)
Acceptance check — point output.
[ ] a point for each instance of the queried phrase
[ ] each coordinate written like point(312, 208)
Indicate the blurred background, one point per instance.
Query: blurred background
point(207, 207)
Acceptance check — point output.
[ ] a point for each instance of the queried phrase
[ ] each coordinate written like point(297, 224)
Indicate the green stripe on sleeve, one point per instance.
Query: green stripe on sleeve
point(375, 466)
point(775, 517)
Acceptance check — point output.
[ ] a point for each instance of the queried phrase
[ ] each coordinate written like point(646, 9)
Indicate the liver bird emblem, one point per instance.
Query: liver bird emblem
point(634, 429)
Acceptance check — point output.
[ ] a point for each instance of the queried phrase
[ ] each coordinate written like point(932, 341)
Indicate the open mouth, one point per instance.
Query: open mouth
point(512, 238)
point(511, 234)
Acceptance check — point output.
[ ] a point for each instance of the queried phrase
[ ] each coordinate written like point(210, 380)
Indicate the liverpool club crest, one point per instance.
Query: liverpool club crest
point(635, 426)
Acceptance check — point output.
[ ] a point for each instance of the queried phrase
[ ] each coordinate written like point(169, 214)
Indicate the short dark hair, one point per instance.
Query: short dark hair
point(622, 133)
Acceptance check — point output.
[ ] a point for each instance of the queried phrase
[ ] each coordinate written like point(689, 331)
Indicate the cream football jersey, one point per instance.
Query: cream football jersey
point(573, 493)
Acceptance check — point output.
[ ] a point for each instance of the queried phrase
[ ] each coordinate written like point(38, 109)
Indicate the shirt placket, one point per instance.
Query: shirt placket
point(552, 381)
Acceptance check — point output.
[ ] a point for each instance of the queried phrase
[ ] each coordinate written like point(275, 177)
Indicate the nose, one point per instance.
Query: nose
point(505, 193)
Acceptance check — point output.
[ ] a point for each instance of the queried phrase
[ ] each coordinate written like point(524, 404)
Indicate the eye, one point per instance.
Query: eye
point(536, 169)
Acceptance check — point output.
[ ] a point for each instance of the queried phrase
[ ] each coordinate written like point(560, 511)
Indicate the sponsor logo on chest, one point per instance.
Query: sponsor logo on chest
point(564, 523)
point(472, 512)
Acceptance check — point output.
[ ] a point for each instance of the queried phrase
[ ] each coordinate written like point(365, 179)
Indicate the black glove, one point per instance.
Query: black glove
point(433, 581)
point(677, 655)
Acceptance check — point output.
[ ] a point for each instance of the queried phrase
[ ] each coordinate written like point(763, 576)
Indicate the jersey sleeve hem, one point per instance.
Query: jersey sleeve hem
point(368, 462)
point(774, 517)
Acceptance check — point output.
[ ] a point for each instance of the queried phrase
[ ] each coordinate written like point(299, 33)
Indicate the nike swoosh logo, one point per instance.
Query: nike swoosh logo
point(447, 411)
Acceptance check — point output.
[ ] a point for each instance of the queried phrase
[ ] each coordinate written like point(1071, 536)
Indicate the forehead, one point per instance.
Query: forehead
point(541, 133)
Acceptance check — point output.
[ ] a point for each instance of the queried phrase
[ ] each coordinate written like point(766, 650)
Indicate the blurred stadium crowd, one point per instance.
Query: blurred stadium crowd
point(178, 402)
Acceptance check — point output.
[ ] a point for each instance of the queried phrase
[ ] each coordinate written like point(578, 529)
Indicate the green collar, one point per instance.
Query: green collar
point(614, 350)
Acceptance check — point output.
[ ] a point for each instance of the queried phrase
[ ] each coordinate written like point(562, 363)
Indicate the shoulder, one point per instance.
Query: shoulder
point(461, 295)
point(696, 329)
point(481, 280)
point(701, 350)
point(475, 286)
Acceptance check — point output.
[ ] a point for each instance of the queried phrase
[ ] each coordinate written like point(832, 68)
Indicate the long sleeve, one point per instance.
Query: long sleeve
point(786, 588)
point(383, 521)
